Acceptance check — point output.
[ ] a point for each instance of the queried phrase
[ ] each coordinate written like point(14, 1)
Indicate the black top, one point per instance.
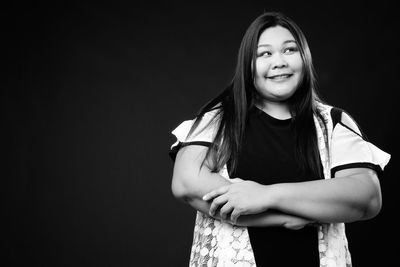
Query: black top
point(268, 157)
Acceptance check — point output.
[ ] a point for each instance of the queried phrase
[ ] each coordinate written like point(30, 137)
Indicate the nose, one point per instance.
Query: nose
point(278, 61)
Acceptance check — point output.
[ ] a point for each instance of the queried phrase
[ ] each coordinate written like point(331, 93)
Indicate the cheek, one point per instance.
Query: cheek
point(261, 68)
point(297, 64)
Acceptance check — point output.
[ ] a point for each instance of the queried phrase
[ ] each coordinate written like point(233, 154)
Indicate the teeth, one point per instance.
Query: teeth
point(280, 76)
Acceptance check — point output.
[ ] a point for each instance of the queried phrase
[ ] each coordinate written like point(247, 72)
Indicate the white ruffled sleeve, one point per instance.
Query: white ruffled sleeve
point(351, 150)
point(203, 135)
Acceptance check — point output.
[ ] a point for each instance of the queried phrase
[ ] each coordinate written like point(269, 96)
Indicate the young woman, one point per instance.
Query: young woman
point(256, 162)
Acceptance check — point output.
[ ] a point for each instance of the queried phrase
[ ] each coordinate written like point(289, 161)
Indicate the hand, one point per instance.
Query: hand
point(238, 198)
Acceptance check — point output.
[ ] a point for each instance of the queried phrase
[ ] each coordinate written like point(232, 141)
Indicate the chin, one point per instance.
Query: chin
point(277, 94)
point(282, 99)
point(283, 96)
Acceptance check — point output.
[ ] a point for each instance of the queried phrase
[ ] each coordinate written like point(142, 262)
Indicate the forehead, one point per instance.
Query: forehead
point(276, 35)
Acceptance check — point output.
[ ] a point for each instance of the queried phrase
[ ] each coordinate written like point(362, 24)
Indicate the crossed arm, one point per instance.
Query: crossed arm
point(353, 195)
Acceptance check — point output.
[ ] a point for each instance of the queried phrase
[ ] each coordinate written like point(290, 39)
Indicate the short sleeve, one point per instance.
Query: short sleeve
point(350, 149)
point(204, 133)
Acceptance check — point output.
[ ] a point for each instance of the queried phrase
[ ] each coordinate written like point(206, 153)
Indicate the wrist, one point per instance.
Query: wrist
point(271, 196)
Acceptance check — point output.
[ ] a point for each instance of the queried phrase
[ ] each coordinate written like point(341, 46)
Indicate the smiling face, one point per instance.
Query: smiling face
point(279, 66)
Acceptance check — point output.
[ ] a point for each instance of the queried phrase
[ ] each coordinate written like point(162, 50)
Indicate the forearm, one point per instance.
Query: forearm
point(273, 218)
point(341, 199)
point(264, 219)
point(191, 183)
point(193, 198)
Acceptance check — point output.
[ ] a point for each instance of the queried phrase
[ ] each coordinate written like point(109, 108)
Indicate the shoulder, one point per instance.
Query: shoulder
point(202, 127)
point(209, 120)
point(342, 117)
point(339, 116)
point(348, 121)
point(351, 148)
point(212, 115)
point(198, 131)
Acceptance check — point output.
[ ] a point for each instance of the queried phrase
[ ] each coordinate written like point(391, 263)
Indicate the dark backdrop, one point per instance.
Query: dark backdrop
point(90, 94)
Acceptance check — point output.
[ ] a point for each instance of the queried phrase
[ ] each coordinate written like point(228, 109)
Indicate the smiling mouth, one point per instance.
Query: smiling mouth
point(279, 77)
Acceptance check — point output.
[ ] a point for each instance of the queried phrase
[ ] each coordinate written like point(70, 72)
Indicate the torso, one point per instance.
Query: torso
point(268, 157)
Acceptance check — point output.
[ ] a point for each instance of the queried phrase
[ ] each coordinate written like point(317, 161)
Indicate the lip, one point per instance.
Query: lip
point(280, 76)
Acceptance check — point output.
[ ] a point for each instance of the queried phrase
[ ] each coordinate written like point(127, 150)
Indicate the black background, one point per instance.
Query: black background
point(91, 92)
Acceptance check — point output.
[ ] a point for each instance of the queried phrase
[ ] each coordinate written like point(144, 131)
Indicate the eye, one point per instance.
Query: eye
point(290, 50)
point(264, 54)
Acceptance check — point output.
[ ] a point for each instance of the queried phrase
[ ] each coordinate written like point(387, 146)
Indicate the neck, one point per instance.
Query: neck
point(278, 110)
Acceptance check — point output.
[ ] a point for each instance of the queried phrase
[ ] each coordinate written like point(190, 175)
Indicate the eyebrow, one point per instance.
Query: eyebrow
point(285, 42)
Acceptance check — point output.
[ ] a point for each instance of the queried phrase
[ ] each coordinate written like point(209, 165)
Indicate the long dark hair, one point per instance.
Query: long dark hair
point(233, 103)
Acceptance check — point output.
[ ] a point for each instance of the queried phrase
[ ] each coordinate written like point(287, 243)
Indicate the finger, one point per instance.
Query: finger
point(235, 216)
point(215, 193)
point(225, 210)
point(216, 203)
